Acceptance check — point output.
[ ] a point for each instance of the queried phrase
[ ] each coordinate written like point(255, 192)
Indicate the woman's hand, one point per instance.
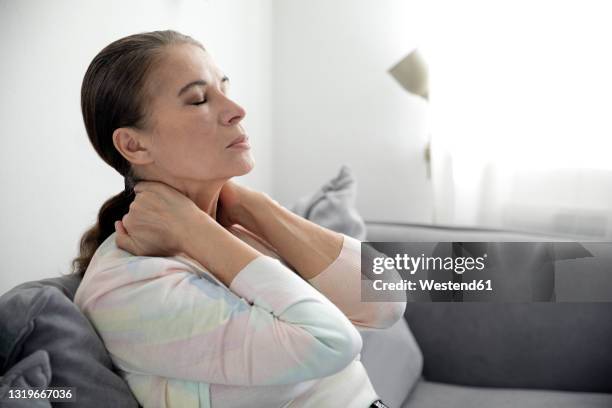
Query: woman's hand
point(233, 204)
point(158, 221)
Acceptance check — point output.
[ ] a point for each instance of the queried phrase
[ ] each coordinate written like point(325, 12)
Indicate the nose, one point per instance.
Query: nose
point(232, 113)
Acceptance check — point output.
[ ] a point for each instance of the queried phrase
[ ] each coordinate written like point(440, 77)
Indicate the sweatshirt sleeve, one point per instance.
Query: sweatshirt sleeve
point(271, 328)
point(341, 283)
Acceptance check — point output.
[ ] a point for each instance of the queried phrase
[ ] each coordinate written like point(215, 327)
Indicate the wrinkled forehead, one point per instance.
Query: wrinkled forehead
point(178, 65)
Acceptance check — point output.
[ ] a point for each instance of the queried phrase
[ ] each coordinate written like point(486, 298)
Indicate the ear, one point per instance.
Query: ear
point(130, 143)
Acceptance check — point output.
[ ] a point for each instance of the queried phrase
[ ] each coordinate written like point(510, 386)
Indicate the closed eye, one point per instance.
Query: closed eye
point(200, 102)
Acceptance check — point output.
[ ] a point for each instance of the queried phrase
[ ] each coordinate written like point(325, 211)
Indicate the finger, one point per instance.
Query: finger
point(123, 240)
point(146, 186)
point(154, 186)
point(120, 227)
point(158, 188)
point(122, 243)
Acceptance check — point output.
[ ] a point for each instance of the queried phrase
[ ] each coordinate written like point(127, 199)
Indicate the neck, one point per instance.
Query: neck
point(205, 194)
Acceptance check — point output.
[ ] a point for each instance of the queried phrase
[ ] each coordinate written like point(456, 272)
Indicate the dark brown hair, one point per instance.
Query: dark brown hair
point(113, 95)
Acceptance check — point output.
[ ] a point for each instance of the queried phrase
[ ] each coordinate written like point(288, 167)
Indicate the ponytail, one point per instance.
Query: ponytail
point(112, 210)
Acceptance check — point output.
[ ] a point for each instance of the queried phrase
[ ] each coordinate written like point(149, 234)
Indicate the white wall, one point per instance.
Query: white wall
point(53, 183)
point(335, 103)
point(312, 76)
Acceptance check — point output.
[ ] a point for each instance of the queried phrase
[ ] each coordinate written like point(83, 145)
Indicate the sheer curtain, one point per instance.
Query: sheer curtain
point(520, 113)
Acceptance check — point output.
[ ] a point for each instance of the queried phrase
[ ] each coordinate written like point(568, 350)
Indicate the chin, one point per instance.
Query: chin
point(246, 167)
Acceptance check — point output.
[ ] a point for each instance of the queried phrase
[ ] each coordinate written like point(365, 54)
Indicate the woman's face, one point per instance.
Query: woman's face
point(192, 121)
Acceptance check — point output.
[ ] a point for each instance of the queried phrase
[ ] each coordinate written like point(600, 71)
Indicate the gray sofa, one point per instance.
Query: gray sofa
point(446, 354)
point(440, 355)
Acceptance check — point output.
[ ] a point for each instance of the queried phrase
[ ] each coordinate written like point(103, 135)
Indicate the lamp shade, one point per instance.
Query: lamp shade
point(412, 74)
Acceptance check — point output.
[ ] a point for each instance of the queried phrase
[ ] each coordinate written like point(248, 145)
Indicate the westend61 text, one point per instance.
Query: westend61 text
point(429, 284)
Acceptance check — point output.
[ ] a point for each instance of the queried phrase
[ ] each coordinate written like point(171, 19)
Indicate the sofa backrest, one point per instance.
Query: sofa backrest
point(538, 345)
point(40, 316)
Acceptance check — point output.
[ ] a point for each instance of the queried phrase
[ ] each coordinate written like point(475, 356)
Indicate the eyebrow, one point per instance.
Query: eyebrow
point(198, 82)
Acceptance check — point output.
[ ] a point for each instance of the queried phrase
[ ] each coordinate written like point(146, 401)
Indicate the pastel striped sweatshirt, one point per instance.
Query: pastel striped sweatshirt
point(181, 338)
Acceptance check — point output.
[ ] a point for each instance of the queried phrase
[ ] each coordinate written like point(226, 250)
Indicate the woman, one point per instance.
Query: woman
point(207, 293)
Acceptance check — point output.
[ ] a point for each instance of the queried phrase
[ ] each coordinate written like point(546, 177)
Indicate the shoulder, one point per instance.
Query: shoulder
point(112, 267)
point(109, 256)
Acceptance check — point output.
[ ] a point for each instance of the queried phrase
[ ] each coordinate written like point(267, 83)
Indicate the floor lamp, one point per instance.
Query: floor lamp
point(413, 75)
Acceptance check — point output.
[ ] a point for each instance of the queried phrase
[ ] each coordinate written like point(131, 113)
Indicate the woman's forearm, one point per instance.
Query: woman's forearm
point(306, 246)
point(218, 250)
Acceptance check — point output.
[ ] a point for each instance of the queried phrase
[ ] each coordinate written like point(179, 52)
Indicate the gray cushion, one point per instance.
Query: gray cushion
point(41, 316)
point(34, 371)
point(333, 205)
point(436, 395)
point(393, 361)
point(557, 346)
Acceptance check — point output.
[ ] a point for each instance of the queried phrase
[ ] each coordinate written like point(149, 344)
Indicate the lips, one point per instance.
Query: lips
point(239, 139)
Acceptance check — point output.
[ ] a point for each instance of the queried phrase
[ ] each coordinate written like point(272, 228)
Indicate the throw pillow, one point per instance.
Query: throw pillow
point(40, 316)
point(333, 205)
point(34, 371)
